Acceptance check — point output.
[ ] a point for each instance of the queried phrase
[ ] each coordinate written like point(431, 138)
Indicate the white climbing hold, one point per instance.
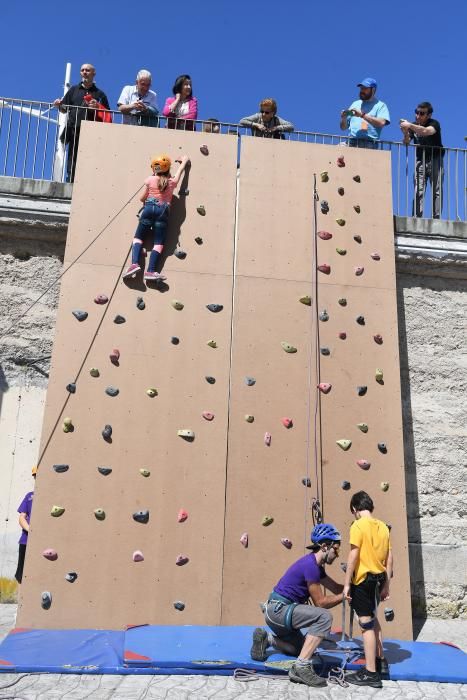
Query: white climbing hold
point(138, 555)
point(244, 539)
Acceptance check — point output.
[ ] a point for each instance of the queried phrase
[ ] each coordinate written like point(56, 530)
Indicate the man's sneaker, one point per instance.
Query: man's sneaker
point(382, 666)
point(306, 674)
point(364, 677)
point(260, 644)
point(132, 270)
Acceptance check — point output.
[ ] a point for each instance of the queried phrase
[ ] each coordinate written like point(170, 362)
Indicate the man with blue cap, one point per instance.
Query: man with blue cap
point(366, 117)
point(287, 610)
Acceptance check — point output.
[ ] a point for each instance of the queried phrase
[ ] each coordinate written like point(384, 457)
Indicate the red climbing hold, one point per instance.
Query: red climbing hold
point(324, 235)
point(363, 463)
point(287, 422)
point(325, 268)
point(342, 335)
point(181, 560)
point(341, 162)
point(376, 256)
point(378, 339)
point(325, 387)
point(208, 415)
point(359, 270)
point(204, 150)
point(114, 356)
point(50, 554)
point(182, 516)
point(101, 299)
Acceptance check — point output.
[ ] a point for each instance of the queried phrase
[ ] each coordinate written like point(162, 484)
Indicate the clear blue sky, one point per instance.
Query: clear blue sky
point(308, 55)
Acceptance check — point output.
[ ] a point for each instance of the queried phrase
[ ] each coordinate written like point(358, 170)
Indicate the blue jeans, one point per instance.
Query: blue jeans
point(363, 143)
point(153, 220)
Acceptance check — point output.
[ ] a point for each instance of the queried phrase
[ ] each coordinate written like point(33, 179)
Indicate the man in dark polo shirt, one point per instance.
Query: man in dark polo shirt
point(287, 610)
point(426, 134)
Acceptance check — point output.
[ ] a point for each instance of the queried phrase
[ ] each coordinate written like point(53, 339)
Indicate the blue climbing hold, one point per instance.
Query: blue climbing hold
point(80, 315)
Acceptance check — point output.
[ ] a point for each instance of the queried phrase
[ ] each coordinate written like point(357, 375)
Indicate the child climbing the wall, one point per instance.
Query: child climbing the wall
point(156, 197)
point(369, 571)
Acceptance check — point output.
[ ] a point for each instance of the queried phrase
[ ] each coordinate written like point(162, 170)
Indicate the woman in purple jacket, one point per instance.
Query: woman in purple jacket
point(181, 109)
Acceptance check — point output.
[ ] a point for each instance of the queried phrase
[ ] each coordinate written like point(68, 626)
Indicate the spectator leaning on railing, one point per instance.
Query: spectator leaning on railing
point(182, 109)
point(138, 103)
point(366, 117)
point(266, 123)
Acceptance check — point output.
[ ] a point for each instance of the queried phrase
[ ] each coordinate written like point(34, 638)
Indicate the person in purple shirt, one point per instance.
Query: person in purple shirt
point(24, 510)
point(287, 610)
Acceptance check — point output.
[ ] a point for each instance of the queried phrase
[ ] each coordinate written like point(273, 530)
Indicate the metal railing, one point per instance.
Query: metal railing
point(38, 142)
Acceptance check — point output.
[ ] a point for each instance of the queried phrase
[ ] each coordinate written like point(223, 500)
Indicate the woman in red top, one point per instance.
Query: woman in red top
point(157, 196)
point(182, 109)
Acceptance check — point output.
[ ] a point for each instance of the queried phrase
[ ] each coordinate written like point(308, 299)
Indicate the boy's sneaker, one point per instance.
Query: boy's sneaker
point(132, 270)
point(364, 677)
point(382, 666)
point(306, 674)
point(260, 644)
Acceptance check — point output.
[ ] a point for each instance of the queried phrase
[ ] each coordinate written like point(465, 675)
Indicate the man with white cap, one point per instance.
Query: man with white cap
point(366, 117)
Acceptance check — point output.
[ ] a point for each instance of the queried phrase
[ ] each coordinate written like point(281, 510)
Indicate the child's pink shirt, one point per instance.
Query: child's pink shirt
point(152, 184)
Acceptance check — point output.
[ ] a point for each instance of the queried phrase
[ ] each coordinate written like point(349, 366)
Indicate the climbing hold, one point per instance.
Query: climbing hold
point(204, 150)
point(111, 391)
point(71, 576)
point(324, 235)
point(244, 539)
point(287, 422)
point(341, 251)
point(345, 485)
point(363, 464)
point(357, 208)
point(376, 256)
point(306, 482)
point(94, 372)
point(384, 485)
point(180, 254)
point(267, 439)
point(186, 433)
point(174, 340)
point(363, 427)
point(201, 210)
point(80, 315)
point(71, 388)
point(382, 447)
point(357, 239)
point(360, 320)
point(145, 472)
point(249, 418)
point(344, 443)
point(60, 468)
point(177, 304)
point(179, 605)
point(287, 347)
point(138, 556)
point(340, 190)
point(388, 614)
point(212, 343)
point(107, 432)
point(341, 222)
point(361, 390)
point(267, 520)
point(324, 387)
point(250, 381)
point(101, 299)
point(324, 176)
point(181, 560)
point(323, 315)
point(57, 511)
point(342, 335)
point(198, 240)
point(215, 308)
point(141, 516)
point(379, 376)
point(114, 356)
point(50, 554)
point(357, 178)
point(67, 426)
point(140, 303)
point(378, 339)
point(359, 270)
point(182, 516)
point(99, 513)
point(151, 392)
point(325, 268)
point(305, 300)
point(208, 415)
point(324, 207)
point(119, 319)
point(210, 380)
point(340, 162)
point(325, 351)
point(105, 471)
point(342, 301)
point(286, 542)
point(46, 600)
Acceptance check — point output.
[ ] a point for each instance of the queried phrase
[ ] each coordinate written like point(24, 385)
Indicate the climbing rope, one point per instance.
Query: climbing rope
point(245, 675)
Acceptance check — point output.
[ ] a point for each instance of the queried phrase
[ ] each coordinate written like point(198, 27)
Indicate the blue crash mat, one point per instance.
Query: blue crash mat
point(200, 650)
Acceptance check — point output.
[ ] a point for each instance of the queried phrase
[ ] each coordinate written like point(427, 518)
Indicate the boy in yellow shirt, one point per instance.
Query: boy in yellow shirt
point(369, 571)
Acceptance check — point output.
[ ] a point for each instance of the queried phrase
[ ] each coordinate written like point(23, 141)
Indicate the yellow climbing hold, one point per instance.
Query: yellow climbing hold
point(344, 444)
point(267, 520)
point(177, 304)
point(287, 347)
point(324, 176)
point(94, 372)
point(145, 472)
point(341, 222)
point(249, 418)
point(306, 300)
point(212, 343)
point(363, 427)
point(151, 392)
point(379, 375)
point(385, 486)
point(57, 511)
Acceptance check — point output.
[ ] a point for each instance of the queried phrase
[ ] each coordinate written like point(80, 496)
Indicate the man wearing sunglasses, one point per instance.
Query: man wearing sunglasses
point(425, 132)
point(266, 123)
point(366, 117)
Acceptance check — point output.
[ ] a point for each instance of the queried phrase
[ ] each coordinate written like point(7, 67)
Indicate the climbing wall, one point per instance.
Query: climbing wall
point(299, 308)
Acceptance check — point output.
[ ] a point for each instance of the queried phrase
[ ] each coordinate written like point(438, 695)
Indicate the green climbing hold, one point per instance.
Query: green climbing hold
point(267, 520)
point(145, 472)
point(344, 444)
point(57, 511)
point(379, 376)
point(94, 372)
point(341, 251)
point(324, 176)
point(305, 300)
point(341, 222)
point(342, 301)
point(249, 418)
point(287, 347)
point(99, 513)
point(177, 304)
point(363, 427)
point(212, 343)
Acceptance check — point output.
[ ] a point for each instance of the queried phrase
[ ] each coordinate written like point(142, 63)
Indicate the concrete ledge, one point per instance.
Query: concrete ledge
point(408, 225)
point(44, 189)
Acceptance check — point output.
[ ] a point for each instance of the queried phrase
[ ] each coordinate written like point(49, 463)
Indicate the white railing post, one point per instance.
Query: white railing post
point(59, 158)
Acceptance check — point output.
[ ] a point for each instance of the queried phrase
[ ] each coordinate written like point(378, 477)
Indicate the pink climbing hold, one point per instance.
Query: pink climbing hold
point(101, 299)
point(50, 554)
point(244, 539)
point(181, 560)
point(325, 268)
point(376, 256)
point(267, 439)
point(363, 463)
point(342, 335)
point(287, 422)
point(182, 516)
point(138, 556)
point(286, 542)
point(114, 356)
point(208, 415)
point(324, 235)
point(359, 270)
point(378, 339)
point(325, 387)
point(341, 162)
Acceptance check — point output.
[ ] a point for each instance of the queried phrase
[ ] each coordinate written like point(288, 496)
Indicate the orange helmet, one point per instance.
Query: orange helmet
point(161, 164)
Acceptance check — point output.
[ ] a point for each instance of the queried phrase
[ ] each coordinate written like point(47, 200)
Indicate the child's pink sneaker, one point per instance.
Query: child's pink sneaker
point(131, 271)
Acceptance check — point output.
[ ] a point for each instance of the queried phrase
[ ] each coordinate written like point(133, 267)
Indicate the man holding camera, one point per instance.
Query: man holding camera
point(366, 117)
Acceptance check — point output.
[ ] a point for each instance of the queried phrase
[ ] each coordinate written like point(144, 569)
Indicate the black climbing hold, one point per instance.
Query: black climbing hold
point(361, 390)
point(204, 150)
point(198, 240)
point(179, 605)
point(382, 447)
point(71, 576)
point(104, 470)
point(357, 239)
point(201, 210)
point(360, 320)
point(60, 468)
point(174, 340)
point(356, 178)
point(250, 381)
point(306, 482)
point(119, 319)
point(80, 315)
point(180, 254)
point(107, 432)
point(325, 351)
point(71, 388)
point(388, 614)
point(141, 516)
point(112, 391)
point(340, 190)
point(324, 207)
point(140, 304)
point(345, 485)
point(215, 308)
point(210, 380)
point(46, 600)
point(342, 301)
point(323, 315)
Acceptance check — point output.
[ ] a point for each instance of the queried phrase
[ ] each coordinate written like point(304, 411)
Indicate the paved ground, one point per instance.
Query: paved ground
point(54, 686)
